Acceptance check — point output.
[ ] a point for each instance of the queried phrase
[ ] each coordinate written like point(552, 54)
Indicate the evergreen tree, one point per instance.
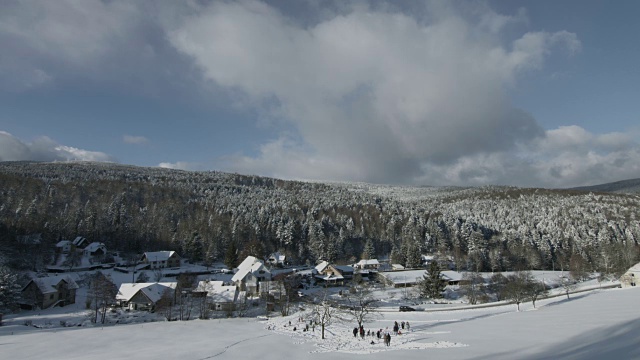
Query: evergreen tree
point(369, 251)
point(231, 257)
point(9, 290)
point(432, 285)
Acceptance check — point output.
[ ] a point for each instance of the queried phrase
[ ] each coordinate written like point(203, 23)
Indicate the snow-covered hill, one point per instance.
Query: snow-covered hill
point(603, 324)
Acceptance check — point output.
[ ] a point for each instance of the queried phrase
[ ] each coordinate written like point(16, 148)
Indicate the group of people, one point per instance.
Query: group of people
point(396, 327)
point(384, 335)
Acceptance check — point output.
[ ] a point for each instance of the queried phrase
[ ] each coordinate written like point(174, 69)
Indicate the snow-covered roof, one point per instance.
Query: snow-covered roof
point(365, 262)
point(47, 285)
point(634, 268)
point(329, 277)
point(217, 291)
point(78, 240)
point(95, 246)
point(158, 255)
point(404, 277)
point(153, 291)
point(320, 267)
point(249, 265)
point(450, 275)
point(63, 243)
point(397, 267)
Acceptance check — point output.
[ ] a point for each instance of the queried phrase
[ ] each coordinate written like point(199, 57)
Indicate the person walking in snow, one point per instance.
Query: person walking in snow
point(355, 332)
point(408, 326)
point(402, 325)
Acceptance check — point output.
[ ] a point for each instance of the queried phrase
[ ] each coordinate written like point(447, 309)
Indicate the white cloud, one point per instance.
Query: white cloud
point(137, 140)
point(374, 95)
point(564, 157)
point(180, 165)
point(44, 149)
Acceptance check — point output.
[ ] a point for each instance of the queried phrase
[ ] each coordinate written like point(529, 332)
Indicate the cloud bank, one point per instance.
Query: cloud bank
point(379, 95)
point(44, 149)
point(369, 91)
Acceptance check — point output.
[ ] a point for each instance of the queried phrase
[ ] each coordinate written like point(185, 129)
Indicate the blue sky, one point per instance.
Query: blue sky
point(524, 93)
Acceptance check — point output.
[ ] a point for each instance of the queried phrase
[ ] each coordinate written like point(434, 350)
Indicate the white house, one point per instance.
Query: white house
point(64, 246)
point(95, 249)
point(631, 277)
point(367, 264)
point(144, 296)
point(161, 259)
point(249, 273)
point(220, 297)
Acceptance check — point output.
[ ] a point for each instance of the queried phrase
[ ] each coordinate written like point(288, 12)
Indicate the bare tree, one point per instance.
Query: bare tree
point(362, 306)
point(537, 290)
point(288, 285)
point(497, 284)
point(568, 285)
point(324, 312)
point(517, 287)
point(183, 290)
point(165, 304)
point(473, 287)
point(102, 293)
point(157, 275)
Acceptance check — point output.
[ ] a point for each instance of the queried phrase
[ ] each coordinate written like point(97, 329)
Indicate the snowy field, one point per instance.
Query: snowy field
point(601, 324)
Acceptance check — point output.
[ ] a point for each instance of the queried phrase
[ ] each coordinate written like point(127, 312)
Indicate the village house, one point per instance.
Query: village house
point(249, 274)
point(95, 251)
point(367, 264)
point(64, 246)
point(409, 278)
point(80, 242)
point(145, 296)
point(161, 259)
point(276, 259)
point(333, 274)
point(49, 291)
point(631, 277)
point(220, 297)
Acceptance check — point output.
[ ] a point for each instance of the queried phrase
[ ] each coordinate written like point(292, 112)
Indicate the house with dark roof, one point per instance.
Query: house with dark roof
point(80, 242)
point(49, 291)
point(333, 274)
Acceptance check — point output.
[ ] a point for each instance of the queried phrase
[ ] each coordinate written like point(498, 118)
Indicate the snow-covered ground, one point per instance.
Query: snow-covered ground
point(601, 324)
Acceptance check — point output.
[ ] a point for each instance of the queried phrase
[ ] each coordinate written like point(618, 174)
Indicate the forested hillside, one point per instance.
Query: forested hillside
point(203, 214)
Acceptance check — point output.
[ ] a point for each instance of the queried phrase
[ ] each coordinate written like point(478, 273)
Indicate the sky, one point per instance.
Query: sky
point(523, 93)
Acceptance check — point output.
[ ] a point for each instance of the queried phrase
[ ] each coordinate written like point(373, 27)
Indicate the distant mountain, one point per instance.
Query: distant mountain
point(631, 186)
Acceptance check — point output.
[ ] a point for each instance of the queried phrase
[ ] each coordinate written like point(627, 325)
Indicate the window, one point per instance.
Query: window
point(51, 297)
